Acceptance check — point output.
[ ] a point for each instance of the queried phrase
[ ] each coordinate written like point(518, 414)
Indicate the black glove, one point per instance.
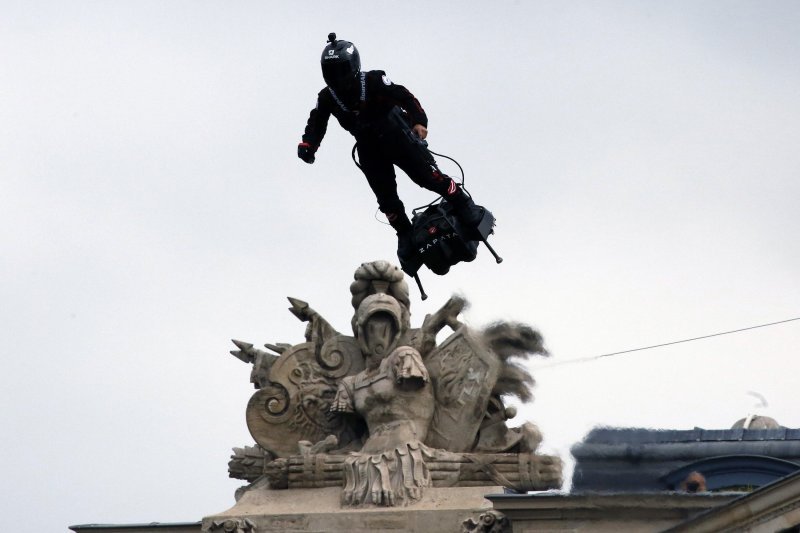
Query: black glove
point(305, 151)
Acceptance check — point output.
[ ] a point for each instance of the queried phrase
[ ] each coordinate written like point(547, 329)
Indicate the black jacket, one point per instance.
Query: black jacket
point(363, 110)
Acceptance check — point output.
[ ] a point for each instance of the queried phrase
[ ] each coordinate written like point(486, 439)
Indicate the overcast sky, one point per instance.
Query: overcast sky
point(641, 159)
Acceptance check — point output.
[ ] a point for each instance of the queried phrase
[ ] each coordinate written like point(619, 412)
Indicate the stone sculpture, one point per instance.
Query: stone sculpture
point(387, 412)
point(240, 525)
point(489, 522)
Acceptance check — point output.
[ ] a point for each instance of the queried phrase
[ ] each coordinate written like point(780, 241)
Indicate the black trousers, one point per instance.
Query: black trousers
point(379, 155)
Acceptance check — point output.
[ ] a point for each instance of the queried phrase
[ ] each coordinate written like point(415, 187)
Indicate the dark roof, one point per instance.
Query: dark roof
point(640, 459)
point(609, 435)
point(150, 526)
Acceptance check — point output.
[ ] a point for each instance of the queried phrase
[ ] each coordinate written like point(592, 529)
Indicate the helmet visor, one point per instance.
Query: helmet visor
point(337, 73)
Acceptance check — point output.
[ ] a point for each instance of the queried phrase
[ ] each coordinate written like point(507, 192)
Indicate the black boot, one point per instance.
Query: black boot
point(469, 214)
point(406, 248)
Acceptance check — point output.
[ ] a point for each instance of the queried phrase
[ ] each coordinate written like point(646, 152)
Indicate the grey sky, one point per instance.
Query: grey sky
point(641, 158)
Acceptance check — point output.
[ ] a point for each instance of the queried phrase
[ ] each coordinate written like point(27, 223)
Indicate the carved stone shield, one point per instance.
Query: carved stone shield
point(463, 372)
point(295, 404)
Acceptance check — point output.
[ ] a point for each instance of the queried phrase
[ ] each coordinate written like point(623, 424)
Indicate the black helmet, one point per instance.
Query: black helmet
point(340, 63)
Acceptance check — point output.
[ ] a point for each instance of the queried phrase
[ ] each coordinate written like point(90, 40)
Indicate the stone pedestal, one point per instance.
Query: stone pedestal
point(319, 510)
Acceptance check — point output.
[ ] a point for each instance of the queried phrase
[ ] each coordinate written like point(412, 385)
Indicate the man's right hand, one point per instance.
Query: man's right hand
point(305, 151)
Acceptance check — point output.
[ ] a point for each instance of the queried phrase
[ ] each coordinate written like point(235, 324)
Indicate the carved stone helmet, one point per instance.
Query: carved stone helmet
point(379, 324)
point(379, 277)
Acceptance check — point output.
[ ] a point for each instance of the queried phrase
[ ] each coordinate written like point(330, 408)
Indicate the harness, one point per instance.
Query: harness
point(362, 96)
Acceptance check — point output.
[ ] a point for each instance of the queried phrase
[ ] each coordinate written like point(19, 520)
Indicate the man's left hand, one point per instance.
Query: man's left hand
point(420, 130)
point(305, 151)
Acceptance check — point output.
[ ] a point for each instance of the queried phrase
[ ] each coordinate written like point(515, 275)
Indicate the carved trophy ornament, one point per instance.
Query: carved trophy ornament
point(491, 521)
point(237, 525)
point(387, 412)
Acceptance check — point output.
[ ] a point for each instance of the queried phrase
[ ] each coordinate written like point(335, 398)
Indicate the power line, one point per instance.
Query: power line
point(595, 357)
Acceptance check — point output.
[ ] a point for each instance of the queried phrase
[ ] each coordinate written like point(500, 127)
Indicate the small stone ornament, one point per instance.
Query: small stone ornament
point(233, 525)
point(489, 522)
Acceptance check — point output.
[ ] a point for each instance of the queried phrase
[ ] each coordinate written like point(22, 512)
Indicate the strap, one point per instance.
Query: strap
point(339, 102)
point(362, 96)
